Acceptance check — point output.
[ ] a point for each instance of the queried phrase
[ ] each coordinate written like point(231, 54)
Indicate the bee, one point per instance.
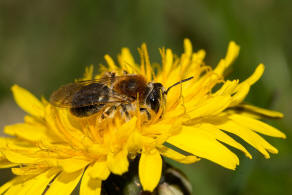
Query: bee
point(110, 93)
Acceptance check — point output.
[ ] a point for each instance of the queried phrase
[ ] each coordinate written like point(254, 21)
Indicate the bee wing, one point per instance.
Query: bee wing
point(105, 79)
point(86, 93)
point(64, 95)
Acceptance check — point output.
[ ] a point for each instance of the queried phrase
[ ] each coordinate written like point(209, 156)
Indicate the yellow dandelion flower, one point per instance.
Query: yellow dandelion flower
point(53, 150)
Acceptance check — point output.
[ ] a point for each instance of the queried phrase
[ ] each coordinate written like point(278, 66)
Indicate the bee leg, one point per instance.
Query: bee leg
point(110, 74)
point(144, 110)
point(110, 111)
point(102, 116)
point(125, 111)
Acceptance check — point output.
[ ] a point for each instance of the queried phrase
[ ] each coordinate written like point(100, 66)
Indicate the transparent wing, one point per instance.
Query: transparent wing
point(64, 95)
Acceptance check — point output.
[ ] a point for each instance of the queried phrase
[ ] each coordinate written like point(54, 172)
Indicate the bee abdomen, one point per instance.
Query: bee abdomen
point(89, 100)
point(86, 110)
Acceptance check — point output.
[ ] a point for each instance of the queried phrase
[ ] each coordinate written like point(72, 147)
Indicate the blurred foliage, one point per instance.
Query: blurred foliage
point(48, 43)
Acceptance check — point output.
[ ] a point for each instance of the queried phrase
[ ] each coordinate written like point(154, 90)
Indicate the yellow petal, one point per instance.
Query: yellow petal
point(249, 136)
point(127, 61)
point(243, 88)
point(198, 57)
point(16, 157)
point(29, 132)
point(256, 75)
point(172, 154)
point(28, 102)
point(118, 163)
point(188, 47)
point(15, 189)
point(32, 120)
point(72, 164)
point(17, 145)
point(216, 133)
point(227, 88)
point(99, 170)
point(89, 185)
point(18, 185)
point(110, 62)
point(194, 68)
point(72, 134)
point(88, 73)
point(191, 140)
point(8, 184)
point(257, 126)
point(39, 183)
point(185, 61)
point(239, 96)
point(4, 163)
point(127, 56)
point(28, 170)
point(258, 111)
point(51, 122)
point(168, 63)
point(127, 128)
point(232, 53)
point(212, 106)
point(150, 167)
point(64, 183)
point(146, 60)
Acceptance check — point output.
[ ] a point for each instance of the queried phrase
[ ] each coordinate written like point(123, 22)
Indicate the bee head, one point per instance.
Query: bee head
point(157, 94)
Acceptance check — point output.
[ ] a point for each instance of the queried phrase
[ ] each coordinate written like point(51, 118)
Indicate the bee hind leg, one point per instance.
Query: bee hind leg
point(124, 111)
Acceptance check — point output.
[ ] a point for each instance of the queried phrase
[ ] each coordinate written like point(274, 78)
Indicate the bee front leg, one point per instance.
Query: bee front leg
point(145, 110)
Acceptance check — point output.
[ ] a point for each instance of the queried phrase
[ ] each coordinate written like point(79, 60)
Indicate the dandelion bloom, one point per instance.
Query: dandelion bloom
point(52, 151)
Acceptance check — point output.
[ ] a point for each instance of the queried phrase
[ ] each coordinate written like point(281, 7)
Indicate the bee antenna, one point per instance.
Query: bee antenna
point(184, 80)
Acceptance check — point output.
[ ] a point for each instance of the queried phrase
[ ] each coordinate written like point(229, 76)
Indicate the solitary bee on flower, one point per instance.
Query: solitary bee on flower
point(110, 93)
point(112, 128)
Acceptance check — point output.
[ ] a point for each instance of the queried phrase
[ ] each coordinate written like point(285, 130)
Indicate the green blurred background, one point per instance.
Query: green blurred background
point(44, 44)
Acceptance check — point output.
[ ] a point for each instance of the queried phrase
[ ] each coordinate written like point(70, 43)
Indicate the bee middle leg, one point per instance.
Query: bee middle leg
point(109, 112)
point(128, 107)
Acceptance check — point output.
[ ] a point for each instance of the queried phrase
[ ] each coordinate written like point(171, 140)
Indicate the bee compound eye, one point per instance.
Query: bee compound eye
point(153, 101)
